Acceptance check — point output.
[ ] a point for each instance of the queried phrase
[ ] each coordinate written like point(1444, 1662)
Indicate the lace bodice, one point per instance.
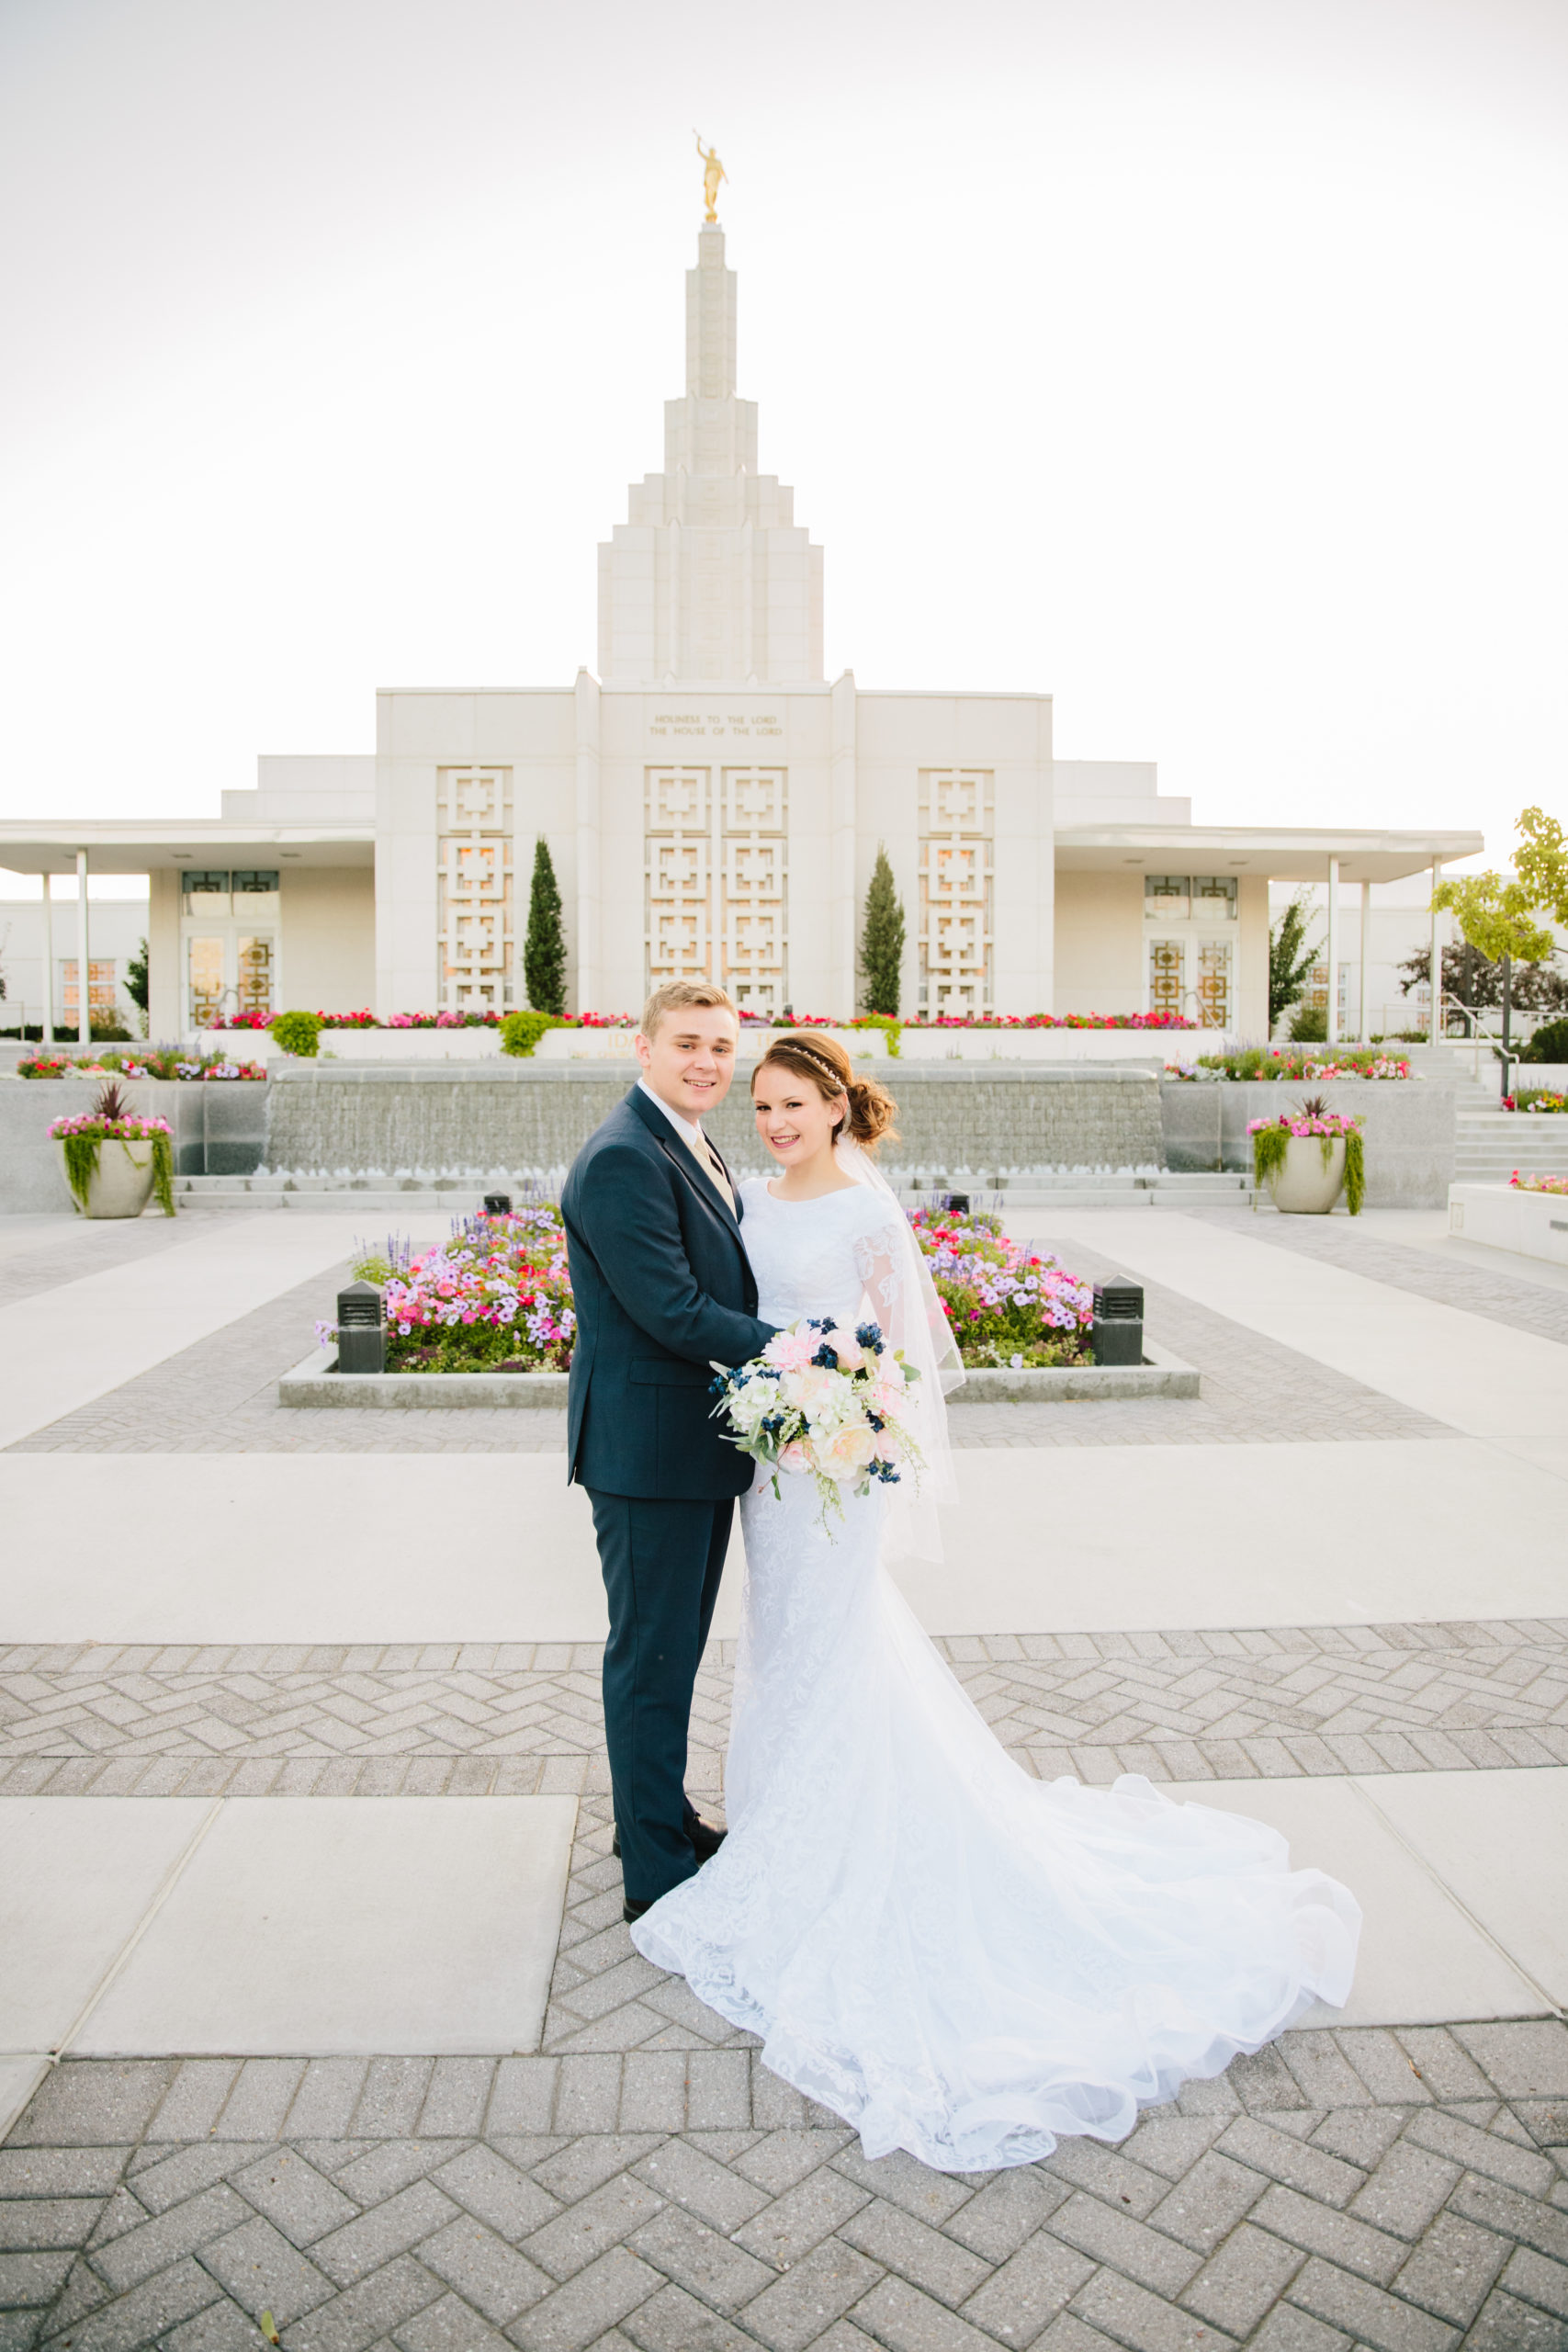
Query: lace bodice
point(833, 1256)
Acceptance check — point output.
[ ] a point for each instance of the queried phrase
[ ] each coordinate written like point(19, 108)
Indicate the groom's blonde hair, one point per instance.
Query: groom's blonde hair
point(676, 995)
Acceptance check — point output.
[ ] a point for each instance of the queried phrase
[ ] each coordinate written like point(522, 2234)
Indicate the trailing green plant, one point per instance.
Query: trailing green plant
point(298, 1033)
point(882, 942)
point(521, 1031)
point(84, 1134)
point(1272, 1140)
point(544, 949)
point(890, 1025)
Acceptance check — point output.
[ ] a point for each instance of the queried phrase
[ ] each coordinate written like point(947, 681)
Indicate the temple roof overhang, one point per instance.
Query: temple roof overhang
point(158, 844)
point(1280, 853)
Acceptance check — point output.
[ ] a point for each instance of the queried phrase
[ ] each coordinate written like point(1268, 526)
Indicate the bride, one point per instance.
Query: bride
point(958, 1960)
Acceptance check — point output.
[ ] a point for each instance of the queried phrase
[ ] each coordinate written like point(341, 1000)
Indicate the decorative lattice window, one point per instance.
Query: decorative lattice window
point(1168, 898)
point(716, 871)
point(755, 931)
point(1214, 898)
point(1166, 961)
point(957, 831)
point(101, 982)
point(205, 961)
point(476, 928)
point(678, 870)
point(255, 962)
point(1213, 990)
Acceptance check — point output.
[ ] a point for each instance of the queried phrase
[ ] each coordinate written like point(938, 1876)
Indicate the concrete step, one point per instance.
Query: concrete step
point(370, 1201)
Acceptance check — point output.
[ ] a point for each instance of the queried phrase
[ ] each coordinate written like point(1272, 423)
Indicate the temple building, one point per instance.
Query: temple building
point(714, 804)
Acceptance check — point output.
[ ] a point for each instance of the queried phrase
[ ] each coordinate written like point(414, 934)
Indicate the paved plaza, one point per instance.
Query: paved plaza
point(318, 2019)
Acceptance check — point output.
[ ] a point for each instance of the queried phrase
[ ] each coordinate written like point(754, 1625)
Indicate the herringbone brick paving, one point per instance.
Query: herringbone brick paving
point(485, 1717)
point(1404, 2192)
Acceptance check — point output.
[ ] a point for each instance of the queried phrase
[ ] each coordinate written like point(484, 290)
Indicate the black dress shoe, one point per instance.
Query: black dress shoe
point(705, 1840)
point(630, 1910)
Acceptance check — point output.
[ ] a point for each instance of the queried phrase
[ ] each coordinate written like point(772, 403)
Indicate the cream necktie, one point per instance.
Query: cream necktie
point(708, 1161)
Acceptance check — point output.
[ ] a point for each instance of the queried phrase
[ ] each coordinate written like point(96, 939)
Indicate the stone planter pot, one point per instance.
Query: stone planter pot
point(122, 1181)
point(1308, 1185)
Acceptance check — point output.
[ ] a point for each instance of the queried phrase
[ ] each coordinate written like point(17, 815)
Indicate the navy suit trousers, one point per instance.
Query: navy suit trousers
point(661, 1563)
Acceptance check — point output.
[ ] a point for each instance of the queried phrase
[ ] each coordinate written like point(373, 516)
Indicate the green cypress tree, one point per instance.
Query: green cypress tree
point(882, 942)
point(543, 950)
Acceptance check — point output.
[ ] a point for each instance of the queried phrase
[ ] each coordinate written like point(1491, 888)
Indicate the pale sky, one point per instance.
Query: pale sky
point(1199, 362)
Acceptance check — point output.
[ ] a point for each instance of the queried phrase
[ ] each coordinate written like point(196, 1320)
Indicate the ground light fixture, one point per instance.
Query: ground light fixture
point(1118, 1334)
point(498, 1205)
point(361, 1329)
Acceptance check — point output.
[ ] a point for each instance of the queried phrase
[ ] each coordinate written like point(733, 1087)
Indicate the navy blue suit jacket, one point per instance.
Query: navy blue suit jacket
point(662, 1291)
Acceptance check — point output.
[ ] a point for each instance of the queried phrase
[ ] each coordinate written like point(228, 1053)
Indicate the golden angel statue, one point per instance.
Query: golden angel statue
point(713, 172)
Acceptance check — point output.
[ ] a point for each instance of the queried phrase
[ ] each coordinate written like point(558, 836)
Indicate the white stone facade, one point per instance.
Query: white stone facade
point(713, 805)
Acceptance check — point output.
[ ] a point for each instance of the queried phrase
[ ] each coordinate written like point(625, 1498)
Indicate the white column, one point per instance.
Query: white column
point(84, 1007)
point(1435, 1030)
point(588, 980)
point(48, 961)
point(1332, 1030)
point(1366, 955)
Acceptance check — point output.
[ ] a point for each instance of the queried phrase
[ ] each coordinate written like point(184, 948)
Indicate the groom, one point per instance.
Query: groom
point(662, 1291)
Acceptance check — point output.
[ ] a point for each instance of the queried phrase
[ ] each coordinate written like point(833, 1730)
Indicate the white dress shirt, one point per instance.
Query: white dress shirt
point(696, 1143)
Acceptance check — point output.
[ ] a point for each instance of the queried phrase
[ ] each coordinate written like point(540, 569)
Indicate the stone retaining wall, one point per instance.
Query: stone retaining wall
point(957, 1119)
point(1409, 1129)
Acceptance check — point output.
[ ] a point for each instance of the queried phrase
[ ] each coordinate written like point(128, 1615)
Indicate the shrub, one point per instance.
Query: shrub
point(1550, 1043)
point(298, 1033)
point(1310, 1026)
point(521, 1031)
point(544, 949)
point(882, 940)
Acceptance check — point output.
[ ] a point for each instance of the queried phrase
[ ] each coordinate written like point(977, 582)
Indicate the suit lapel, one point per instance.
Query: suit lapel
point(685, 1158)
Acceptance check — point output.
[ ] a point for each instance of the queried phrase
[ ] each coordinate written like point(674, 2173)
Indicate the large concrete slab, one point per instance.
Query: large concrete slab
point(64, 1347)
point(497, 1547)
point(78, 1876)
point(351, 1926)
point(1500, 1840)
point(1478, 1375)
point(1423, 1961)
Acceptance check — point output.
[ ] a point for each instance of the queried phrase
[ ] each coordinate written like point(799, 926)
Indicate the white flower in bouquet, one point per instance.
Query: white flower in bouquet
point(823, 1403)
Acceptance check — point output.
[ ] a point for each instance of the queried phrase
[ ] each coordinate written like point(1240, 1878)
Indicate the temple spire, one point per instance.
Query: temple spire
point(710, 577)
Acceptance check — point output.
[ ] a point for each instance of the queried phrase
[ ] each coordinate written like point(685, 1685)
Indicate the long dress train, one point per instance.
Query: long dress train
point(957, 1959)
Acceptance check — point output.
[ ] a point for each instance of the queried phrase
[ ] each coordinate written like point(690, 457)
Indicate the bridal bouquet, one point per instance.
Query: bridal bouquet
point(823, 1405)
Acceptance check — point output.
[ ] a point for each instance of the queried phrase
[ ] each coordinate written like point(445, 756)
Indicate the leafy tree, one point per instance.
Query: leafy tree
point(1470, 978)
point(137, 987)
point(543, 950)
point(882, 940)
point(1542, 863)
point(1290, 956)
point(1496, 917)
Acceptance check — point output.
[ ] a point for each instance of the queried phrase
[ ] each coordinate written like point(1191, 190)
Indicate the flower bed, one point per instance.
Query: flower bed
point(1542, 1102)
point(1007, 1306)
point(157, 1061)
point(497, 1297)
point(1538, 1183)
point(1293, 1062)
point(492, 1019)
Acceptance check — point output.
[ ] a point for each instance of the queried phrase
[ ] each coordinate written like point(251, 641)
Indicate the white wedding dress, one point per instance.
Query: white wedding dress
point(957, 1959)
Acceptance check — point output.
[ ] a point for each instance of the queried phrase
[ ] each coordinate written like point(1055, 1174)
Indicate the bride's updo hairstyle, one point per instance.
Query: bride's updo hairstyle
point(824, 1061)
